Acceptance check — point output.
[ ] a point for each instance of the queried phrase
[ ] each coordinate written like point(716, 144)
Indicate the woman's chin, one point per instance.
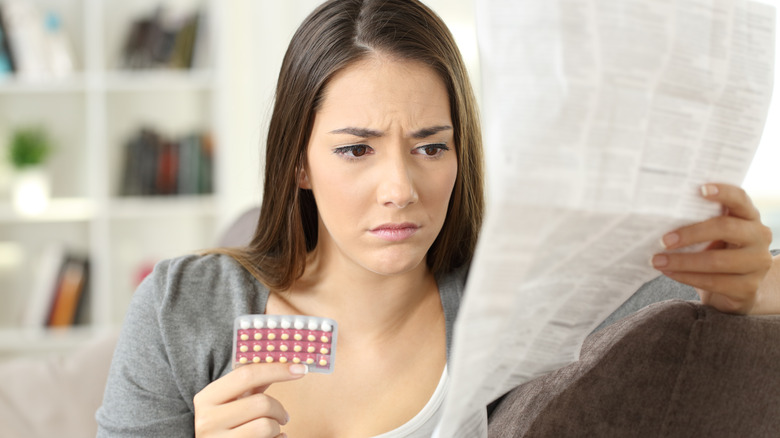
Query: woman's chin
point(396, 265)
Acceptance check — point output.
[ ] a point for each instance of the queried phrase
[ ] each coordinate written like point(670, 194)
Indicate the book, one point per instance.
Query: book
point(184, 43)
point(130, 185)
point(158, 165)
point(70, 290)
point(189, 159)
point(49, 266)
point(6, 55)
point(83, 308)
point(167, 167)
point(162, 40)
point(206, 170)
point(148, 157)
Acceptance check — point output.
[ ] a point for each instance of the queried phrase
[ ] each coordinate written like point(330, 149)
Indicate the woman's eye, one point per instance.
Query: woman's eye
point(353, 151)
point(359, 150)
point(433, 150)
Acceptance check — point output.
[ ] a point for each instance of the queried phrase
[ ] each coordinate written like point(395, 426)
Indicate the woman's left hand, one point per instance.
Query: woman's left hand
point(730, 273)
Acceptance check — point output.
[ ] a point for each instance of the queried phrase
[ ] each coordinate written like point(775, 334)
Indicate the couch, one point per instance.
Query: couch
point(674, 369)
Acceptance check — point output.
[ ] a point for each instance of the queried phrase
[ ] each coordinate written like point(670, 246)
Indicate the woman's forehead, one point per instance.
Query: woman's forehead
point(382, 90)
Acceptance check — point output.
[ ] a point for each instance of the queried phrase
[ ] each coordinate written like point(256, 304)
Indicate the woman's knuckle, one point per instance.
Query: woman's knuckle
point(196, 399)
point(766, 234)
point(202, 423)
point(717, 262)
point(706, 283)
point(731, 306)
point(244, 375)
point(768, 261)
point(741, 195)
point(730, 225)
point(265, 427)
point(263, 403)
point(753, 286)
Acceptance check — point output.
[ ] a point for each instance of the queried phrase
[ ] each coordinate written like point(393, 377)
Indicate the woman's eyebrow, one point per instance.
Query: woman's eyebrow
point(427, 132)
point(358, 132)
point(372, 133)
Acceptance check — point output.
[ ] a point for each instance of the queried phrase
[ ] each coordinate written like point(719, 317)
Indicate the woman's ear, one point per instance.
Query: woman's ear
point(303, 179)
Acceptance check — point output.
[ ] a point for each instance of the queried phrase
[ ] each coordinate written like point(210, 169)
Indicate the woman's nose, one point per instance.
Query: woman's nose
point(396, 184)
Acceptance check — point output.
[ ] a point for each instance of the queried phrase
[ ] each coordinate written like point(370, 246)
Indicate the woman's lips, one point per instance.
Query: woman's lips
point(394, 232)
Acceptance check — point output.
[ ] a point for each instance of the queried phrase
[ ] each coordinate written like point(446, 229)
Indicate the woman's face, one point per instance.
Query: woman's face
point(381, 164)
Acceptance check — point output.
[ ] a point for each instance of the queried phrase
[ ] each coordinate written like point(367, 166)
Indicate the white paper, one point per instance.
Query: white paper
point(602, 119)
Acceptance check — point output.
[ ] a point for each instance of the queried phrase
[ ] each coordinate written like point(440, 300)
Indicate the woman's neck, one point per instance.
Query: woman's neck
point(361, 301)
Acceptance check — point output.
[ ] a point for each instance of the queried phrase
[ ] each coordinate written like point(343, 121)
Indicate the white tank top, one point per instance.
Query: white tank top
point(424, 423)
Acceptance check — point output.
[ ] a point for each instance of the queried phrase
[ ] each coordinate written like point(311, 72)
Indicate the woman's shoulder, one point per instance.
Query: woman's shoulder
point(195, 282)
point(204, 265)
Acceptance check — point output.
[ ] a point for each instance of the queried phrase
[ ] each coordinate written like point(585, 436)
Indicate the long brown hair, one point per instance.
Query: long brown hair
point(337, 34)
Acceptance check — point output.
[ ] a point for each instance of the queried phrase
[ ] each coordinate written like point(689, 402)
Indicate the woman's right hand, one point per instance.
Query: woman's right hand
point(235, 405)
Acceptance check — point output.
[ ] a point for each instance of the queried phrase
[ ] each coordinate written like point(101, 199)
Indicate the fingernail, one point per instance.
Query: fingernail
point(670, 239)
point(286, 420)
point(659, 260)
point(709, 190)
point(299, 369)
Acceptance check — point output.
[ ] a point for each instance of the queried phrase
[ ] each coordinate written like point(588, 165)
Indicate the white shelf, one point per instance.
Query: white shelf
point(139, 207)
point(58, 210)
point(158, 80)
point(112, 81)
point(75, 83)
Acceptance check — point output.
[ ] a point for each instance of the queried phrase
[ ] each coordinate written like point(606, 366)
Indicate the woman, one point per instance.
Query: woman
point(372, 205)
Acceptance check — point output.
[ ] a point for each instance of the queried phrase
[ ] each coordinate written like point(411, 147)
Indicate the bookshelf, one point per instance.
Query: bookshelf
point(90, 114)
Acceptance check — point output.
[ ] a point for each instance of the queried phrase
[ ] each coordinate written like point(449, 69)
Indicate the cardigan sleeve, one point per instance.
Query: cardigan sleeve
point(141, 396)
point(175, 340)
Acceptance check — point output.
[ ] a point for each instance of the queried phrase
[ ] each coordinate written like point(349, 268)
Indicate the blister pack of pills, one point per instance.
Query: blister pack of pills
point(302, 339)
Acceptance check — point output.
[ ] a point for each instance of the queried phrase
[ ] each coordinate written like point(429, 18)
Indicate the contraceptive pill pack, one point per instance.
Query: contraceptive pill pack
point(301, 339)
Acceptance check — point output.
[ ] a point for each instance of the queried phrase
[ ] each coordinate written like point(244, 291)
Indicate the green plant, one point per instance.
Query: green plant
point(30, 146)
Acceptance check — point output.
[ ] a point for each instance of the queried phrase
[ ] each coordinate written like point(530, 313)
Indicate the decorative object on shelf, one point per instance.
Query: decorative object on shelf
point(29, 149)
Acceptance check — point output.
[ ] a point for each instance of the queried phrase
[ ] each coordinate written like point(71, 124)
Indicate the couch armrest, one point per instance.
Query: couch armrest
point(56, 395)
point(676, 368)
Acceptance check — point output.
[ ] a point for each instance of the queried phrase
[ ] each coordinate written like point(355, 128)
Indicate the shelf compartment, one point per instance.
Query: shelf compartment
point(27, 242)
point(62, 116)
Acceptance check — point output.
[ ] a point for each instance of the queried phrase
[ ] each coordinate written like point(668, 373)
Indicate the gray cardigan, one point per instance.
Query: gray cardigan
point(177, 338)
